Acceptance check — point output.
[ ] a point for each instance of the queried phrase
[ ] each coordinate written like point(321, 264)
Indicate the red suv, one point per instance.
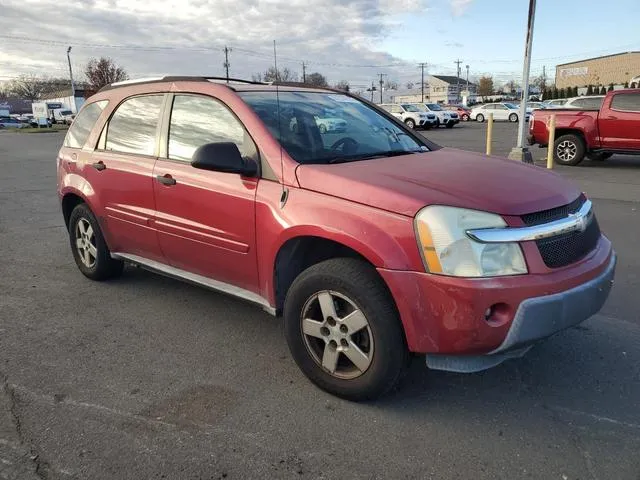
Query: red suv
point(372, 242)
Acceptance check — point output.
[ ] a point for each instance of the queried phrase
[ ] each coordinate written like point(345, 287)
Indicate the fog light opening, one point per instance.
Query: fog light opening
point(497, 314)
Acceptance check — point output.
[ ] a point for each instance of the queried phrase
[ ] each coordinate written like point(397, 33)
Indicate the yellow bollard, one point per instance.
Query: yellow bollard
point(551, 128)
point(489, 133)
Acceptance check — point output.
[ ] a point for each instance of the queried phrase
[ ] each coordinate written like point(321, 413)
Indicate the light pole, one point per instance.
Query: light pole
point(520, 152)
point(73, 88)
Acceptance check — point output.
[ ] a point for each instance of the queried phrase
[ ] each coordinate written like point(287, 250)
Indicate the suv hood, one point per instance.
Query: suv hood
point(447, 176)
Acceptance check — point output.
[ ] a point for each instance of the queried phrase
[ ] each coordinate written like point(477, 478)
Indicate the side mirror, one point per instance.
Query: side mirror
point(222, 157)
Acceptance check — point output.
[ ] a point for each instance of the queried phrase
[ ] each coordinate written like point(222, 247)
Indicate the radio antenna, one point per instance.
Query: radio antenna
point(285, 191)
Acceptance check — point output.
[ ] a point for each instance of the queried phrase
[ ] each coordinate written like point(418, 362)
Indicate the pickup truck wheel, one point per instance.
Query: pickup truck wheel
point(410, 123)
point(89, 249)
point(343, 329)
point(568, 150)
point(480, 118)
point(513, 117)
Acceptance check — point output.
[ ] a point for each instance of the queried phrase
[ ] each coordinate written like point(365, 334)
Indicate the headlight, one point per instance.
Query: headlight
point(447, 250)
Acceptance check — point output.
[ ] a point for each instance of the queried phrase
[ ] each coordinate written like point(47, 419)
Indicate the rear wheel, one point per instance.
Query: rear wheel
point(568, 150)
point(343, 329)
point(89, 249)
point(465, 117)
point(513, 117)
point(410, 123)
point(480, 118)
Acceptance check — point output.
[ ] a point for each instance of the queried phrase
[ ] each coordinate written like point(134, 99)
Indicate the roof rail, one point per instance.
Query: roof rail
point(174, 78)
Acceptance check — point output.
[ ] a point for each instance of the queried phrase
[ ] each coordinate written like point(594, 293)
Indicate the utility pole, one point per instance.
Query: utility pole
point(226, 63)
point(372, 89)
point(381, 83)
point(520, 152)
point(73, 88)
point(304, 73)
point(457, 62)
point(422, 65)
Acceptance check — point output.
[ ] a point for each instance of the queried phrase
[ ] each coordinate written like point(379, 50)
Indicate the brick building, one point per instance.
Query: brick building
point(617, 69)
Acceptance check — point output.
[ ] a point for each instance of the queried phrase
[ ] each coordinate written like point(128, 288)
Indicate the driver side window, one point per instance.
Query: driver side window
point(197, 120)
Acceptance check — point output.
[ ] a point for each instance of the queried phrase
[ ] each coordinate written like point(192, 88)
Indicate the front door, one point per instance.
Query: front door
point(206, 220)
point(500, 112)
point(121, 170)
point(620, 125)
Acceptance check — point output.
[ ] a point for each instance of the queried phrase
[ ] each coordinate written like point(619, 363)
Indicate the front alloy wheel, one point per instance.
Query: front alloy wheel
point(343, 329)
point(337, 334)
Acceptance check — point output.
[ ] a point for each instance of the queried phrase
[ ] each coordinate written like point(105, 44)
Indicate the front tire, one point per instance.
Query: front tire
point(410, 123)
point(89, 248)
point(480, 118)
point(568, 150)
point(465, 118)
point(513, 118)
point(343, 329)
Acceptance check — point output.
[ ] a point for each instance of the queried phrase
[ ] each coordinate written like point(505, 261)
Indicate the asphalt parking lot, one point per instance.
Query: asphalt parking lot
point(147, 377)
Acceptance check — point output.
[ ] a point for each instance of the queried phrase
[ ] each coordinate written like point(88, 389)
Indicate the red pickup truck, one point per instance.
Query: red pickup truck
point(595, 134)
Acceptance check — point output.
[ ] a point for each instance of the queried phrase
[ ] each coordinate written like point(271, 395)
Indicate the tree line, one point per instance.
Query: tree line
point(97, 73)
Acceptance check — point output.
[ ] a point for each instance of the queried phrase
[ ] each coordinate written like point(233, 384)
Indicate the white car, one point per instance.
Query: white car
point(592, 102)
point(410, 115)
point(330, 124)
point(6, 122)
point(501, 111)
point(557, 103)
point(445, 117)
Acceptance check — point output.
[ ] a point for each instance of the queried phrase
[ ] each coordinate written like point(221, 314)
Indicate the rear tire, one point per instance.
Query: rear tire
point(513, 117)
point(465, 118)
point(568, 150)
point(339, 310)
point(89, 248)
point(480, 118)
point(410, 123)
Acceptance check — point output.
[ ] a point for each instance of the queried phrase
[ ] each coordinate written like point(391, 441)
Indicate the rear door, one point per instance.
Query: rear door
point(205, 219)
point(121, 170)
point(619, 123)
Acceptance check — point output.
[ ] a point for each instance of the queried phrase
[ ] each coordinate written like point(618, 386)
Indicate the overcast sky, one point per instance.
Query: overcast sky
point(351, 40)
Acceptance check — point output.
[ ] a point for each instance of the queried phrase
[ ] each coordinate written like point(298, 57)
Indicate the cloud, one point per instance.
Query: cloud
point(458, 7)
point(335, 37)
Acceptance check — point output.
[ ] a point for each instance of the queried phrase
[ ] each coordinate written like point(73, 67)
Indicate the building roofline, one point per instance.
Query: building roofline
point(596, 58)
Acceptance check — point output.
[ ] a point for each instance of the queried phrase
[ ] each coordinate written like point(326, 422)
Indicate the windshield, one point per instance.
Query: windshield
point(510, 106)
point(360, 133)
point(434, 106)
point(410, 108)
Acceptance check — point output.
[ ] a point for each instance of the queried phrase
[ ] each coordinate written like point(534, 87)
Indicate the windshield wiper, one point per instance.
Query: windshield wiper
point(389, 153)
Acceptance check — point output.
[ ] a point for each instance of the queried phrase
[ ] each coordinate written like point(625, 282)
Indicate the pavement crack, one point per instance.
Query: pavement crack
point(42, 467)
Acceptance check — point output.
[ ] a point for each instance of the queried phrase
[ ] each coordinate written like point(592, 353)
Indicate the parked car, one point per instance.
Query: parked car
point(373, 246)
point(595, 134)
point(592, 102)
point(462, 111)
point(559, 102)
point(325, 124)
point(411, 115)
point(8, 122)
point(445, 117)
point(501, 111)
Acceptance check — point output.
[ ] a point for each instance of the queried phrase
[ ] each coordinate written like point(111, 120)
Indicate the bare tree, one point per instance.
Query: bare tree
point(390, 85)
point(511, 86)
point(540, 82)
point(103, 71)
point(409, 85)
point(342, 85)
point(317, 80)
point(273, 75)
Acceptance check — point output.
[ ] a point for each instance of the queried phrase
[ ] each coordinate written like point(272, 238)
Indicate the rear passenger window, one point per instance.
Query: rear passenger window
point(132, 128)
point(629, 102)
point(83, 124)
point(198, 120)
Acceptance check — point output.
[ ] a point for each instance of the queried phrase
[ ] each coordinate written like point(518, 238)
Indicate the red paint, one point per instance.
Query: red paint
point(230, 228)
point(608, 129)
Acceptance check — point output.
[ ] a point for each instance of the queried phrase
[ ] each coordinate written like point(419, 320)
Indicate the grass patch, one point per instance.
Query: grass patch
point(53, 129)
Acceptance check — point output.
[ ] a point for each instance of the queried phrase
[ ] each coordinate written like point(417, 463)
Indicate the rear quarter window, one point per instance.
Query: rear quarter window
point(629, 102)
point(83, 124)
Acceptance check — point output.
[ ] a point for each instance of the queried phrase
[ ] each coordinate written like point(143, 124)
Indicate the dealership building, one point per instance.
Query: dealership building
point(618, 69)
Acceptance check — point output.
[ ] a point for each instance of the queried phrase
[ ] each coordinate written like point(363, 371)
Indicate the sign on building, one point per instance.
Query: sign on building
point(573, 72)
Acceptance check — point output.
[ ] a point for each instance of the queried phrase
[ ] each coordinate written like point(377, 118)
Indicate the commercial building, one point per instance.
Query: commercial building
point(450, 89)
point(618, 69)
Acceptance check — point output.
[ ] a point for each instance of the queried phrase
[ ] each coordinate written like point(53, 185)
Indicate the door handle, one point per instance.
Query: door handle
point(99, 165)
point(166, 179)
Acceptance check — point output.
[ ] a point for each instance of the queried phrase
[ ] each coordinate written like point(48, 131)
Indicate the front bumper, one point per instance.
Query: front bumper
point(445, 316)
